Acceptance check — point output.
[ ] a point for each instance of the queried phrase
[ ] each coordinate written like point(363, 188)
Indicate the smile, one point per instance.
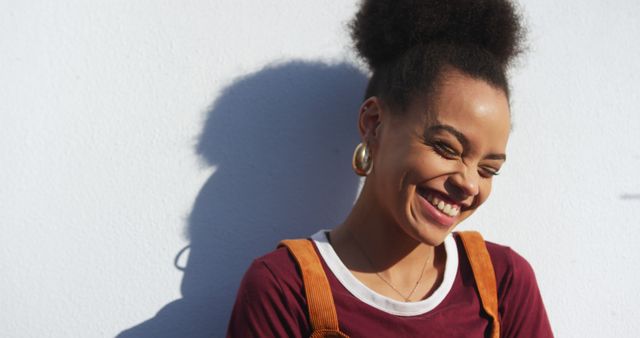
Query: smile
point(445, 208)
point(439, 207)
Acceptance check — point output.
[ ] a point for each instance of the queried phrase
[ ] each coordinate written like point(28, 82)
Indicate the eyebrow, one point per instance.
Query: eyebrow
point(461, 138)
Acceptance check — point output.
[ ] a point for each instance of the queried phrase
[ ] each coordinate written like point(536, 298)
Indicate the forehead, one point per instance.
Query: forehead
point(474, 107)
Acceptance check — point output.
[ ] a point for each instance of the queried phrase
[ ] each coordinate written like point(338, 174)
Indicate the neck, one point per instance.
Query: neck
point(388, 249)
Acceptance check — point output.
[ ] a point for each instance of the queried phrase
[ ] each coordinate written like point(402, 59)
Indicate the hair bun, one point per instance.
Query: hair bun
point(384, 29)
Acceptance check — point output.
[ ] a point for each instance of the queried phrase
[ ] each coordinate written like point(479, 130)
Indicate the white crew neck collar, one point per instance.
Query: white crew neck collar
point(380, 302)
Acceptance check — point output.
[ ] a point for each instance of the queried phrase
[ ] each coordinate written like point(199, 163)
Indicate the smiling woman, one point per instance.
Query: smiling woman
point(433, 164)
point(434, 126)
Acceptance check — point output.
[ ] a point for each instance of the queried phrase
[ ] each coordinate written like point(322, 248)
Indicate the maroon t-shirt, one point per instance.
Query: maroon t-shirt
point(271, 302)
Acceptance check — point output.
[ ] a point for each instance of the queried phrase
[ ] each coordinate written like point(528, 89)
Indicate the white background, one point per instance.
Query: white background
point(150, 149)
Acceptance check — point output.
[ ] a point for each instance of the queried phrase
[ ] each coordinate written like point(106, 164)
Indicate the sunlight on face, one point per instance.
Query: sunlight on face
point(434, 163)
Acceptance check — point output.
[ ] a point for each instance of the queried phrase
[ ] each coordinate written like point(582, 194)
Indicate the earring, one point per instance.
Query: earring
point(362, 163)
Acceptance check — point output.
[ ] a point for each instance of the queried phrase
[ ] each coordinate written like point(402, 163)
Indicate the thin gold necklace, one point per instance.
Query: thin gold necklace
point(406, 298)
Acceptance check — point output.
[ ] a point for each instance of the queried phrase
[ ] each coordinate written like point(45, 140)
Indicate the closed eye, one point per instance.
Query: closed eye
point(488, 172)
point(445, 150)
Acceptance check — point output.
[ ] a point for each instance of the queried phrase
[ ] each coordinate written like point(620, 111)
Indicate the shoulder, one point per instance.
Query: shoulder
point(515, 278)
point(521, 307)
point(277, 266)
point(508, 263)
point(270, 299)
point(274, 275)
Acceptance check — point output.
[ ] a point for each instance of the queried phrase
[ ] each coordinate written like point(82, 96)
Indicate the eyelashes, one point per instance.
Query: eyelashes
point(445, 150)
point(448, 152)
point(489, 171)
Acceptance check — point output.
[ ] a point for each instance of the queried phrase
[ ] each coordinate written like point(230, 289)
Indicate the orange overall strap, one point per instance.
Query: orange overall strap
point(322, 311)
point(483, 274)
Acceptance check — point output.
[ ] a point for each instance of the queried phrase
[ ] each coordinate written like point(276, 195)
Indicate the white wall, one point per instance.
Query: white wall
point(150, 149)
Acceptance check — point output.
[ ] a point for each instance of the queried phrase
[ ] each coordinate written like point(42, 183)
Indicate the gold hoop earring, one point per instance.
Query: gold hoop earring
point(362, 162)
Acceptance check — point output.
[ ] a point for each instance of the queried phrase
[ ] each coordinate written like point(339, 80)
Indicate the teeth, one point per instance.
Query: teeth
point(446, 208)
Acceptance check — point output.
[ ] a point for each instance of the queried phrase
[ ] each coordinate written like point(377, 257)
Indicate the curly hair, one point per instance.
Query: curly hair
point(408, 43)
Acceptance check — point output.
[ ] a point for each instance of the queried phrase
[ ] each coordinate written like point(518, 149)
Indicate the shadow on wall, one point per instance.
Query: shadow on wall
point(281, 140)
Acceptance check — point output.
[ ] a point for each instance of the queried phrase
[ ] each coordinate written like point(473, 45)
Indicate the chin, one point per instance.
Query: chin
point(432, 234)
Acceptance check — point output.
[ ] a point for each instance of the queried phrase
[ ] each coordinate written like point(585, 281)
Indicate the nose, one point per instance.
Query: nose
point(467, 182)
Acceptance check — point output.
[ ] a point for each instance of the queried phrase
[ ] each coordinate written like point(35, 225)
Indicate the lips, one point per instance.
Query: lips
point(446, 208)
point(439, 207)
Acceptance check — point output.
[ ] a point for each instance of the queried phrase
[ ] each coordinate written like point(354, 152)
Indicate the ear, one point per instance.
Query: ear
point(370, 120)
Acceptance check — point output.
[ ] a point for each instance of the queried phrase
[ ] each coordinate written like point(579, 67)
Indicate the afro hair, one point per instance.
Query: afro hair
point(406, 43)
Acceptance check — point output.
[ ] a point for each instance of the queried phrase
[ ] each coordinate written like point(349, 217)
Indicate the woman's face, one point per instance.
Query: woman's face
point(433, 165)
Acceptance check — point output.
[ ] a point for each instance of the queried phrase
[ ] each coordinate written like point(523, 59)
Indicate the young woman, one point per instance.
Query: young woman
point(434, 126)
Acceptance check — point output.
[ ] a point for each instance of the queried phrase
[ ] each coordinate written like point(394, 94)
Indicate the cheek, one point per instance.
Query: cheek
point(434, 168)
point(396, 158)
